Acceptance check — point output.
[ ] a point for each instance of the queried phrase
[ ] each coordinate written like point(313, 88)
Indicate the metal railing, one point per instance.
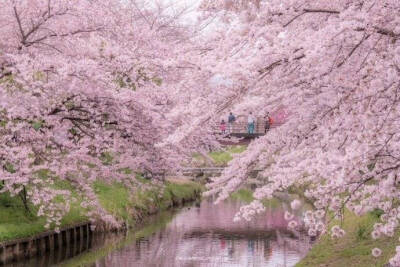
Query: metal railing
point(242, 128)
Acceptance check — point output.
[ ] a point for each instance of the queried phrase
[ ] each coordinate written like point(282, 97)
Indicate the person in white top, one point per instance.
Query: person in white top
point(250, 123)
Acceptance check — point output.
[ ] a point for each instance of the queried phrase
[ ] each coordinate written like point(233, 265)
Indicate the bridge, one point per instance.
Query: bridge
point(239, 129)
point(202, 171)
point(195, 173)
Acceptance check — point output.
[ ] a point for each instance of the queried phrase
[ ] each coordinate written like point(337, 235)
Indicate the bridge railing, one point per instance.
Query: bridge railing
point(241, 127)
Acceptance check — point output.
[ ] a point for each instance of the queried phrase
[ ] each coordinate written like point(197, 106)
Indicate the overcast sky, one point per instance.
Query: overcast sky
point(191, 15)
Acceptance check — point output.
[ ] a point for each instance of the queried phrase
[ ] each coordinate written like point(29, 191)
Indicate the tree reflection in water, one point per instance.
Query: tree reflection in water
point(207, 236)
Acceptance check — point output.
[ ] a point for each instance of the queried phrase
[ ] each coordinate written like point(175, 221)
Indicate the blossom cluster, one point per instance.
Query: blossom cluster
point(86, 92)
point(333, 66)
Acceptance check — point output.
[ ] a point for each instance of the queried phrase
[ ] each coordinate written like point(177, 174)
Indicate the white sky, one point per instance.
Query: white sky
point(191, 15)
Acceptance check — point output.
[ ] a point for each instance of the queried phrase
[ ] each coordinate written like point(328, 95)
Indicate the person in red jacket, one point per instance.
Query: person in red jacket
point(222, 127)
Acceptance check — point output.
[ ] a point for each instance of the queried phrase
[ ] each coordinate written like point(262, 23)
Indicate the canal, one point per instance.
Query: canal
point(202, 234)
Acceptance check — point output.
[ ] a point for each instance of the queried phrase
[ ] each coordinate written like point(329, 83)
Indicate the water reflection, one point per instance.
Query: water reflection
point(197, 236)
point(206, 236)
point(53, 258)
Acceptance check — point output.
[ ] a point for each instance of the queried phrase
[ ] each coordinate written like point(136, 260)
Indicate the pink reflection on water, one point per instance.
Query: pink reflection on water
point(213, 217)
point(207, 236)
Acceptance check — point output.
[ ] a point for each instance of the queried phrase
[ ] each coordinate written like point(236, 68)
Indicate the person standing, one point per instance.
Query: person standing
point(222, 127)
point(267, 122)
point(250, 123)
point(231, 121)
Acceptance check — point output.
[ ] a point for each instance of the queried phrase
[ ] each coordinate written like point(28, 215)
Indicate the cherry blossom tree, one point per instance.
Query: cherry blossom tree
point(83, 80)
point(84, 89)
point(333, 68)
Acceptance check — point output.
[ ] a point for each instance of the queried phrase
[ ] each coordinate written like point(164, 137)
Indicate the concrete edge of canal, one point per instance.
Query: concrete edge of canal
point(49, 241)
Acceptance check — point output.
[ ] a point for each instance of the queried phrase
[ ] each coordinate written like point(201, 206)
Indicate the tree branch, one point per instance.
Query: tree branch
point(365, 37)
point(19, 23)
point(39, 40)
point(307, 10)
point(387, 33)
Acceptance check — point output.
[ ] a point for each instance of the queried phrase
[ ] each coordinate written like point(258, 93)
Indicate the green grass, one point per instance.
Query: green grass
point(16, 222)
point(354, 249)
point(114, 198)
point(221, 158)
point(178, 192)
point(244, 195)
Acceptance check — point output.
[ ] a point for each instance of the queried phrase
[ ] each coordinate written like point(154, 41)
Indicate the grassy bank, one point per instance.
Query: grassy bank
point(354, 249)
point(219, 158)
point(246, 195)
point(16, 222)
point(243, 194)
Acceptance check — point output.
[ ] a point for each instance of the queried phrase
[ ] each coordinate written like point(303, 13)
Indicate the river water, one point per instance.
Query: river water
point(194, 236)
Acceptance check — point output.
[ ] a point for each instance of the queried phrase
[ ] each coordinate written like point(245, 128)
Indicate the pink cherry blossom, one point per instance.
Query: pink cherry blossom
point(376, 252)
point(332, 68)
point(295, 204)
